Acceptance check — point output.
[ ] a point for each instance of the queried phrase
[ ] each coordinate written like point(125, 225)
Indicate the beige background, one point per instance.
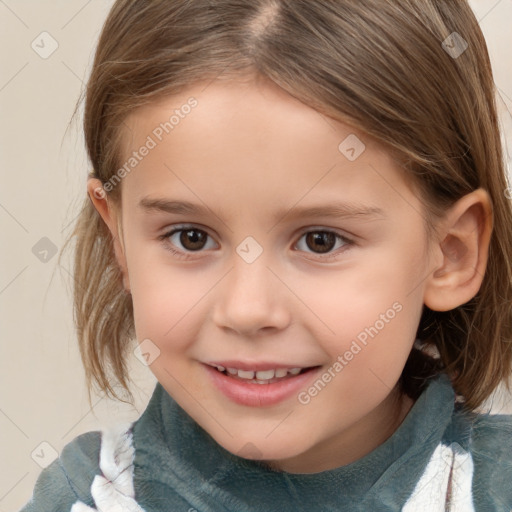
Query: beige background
point(43, 165)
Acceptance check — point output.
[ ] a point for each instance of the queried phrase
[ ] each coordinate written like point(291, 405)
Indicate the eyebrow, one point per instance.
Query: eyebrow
point(336, 210)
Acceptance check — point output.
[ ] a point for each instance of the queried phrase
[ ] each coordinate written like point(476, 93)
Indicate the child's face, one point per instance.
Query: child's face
point(257, 288)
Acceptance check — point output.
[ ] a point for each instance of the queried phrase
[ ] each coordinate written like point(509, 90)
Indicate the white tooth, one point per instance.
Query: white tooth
point(220, 368)
point(265, 374)
point(243, 374)
point(294, 371)
point(232, 371)
point(281, 372)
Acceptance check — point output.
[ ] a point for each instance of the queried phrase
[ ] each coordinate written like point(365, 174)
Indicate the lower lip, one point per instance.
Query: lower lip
point(259, 395)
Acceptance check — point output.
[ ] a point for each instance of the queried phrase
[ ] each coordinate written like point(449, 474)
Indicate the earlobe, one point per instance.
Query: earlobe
point(463, 251)
point(109, 214)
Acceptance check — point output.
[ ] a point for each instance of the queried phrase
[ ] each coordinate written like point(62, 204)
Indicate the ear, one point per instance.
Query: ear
point(461, 252)
point(111, 216)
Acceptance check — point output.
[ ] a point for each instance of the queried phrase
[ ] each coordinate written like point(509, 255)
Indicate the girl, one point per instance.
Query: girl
point(299, 209)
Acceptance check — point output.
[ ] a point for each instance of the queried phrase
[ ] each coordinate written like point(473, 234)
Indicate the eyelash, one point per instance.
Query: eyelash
point(186, 255)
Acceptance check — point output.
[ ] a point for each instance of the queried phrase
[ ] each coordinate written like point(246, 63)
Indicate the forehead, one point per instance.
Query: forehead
point(255, 113)
point(249, 138)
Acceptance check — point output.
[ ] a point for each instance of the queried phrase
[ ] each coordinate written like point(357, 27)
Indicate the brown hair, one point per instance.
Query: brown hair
point(379, 65)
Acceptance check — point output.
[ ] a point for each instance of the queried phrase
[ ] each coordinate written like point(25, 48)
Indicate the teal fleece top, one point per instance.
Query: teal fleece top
point(440, 458)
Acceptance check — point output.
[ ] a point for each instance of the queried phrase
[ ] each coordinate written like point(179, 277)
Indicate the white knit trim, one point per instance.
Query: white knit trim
point(113, 490)
point(431, 492)
point(79, 506)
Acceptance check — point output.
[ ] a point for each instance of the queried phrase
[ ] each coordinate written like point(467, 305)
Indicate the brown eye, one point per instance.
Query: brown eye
point(320, 241)
point(193, 239)
point(324, 244)
point(188, 242)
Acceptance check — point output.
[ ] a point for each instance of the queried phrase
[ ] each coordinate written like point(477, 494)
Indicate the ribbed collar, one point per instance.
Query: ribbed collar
point(177, 463)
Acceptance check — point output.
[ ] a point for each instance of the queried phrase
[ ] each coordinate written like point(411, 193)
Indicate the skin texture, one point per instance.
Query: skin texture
point(248, 151)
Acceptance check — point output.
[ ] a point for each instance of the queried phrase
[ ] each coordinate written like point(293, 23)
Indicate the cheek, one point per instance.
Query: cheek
point(368, 314)
point(168, 311)
point(165, 300)
point(347, 303)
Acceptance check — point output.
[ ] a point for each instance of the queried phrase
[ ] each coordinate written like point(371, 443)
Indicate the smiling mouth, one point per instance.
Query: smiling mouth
point(262, 376)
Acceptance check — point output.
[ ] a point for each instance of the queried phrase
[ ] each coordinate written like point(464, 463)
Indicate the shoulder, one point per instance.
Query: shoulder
point(492, 436)
point(94, 470)
point(68, 478)
point(488, 440)
point(491, 449)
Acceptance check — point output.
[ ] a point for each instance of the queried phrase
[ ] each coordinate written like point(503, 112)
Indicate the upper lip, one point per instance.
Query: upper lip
point(255, 365)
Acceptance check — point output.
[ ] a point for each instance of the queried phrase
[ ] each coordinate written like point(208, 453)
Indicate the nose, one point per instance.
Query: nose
point(251, 300)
